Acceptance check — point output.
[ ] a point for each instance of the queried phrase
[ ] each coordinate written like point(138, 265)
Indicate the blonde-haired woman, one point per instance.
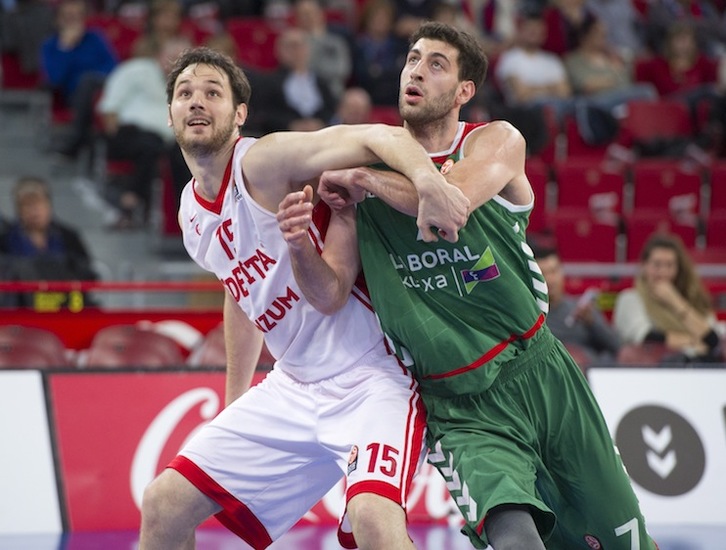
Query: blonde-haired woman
point(669, 304)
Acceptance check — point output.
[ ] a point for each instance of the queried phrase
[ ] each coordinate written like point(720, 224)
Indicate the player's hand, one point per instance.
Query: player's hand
point(338, 188)
point(442, 208)
point(294, 216)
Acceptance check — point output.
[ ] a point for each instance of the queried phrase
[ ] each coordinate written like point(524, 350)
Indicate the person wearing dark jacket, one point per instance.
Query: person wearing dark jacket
point(37, 247)
point(293, 97)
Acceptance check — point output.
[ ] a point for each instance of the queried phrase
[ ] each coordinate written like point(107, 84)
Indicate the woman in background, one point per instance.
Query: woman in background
point(669, 305)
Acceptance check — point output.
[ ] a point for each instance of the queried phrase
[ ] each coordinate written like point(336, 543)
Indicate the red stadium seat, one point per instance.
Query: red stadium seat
point(576, 147)
point(255, 39)
point(552, 149)
point(670, 187)
point(716, 230)
point(584, 237)
point(30, 347)
point(12, 76)
point(717, 187)
point(589, 183)
point(647, 120)
point(131, 346)
point(538, 173)
point(120, 35)
point(641, 225)
point(212, 353)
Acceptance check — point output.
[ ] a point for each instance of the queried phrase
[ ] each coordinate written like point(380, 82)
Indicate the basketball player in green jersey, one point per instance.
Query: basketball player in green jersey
point(513, 426)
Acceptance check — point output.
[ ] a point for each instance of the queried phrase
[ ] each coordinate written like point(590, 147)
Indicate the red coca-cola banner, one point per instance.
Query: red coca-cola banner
point(116, 431)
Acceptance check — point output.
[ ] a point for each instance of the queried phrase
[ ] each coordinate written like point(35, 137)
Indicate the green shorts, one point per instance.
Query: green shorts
point(537, 438)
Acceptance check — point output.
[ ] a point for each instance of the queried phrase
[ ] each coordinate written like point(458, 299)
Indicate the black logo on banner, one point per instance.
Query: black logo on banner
point(661, 451)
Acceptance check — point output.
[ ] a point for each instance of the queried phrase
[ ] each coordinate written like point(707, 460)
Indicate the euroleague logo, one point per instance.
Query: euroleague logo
point(661, 451)
point(592, 542)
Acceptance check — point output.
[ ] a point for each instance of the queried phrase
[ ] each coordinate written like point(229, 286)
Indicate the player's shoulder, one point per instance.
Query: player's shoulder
point(485, 135)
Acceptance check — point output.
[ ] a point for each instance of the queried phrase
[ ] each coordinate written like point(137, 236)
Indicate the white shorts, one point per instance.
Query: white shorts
point(271, 455)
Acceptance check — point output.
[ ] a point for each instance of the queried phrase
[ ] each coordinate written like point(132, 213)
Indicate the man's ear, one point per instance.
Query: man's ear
point(241, 114)
point(467, 90)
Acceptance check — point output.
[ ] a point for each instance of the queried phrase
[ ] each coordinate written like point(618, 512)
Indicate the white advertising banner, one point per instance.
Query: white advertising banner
point(670, 428)
point(28, 490)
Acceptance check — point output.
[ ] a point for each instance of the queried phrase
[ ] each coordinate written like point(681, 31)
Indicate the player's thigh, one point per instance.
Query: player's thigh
point(488, 456)
point(379, 423)
point(586, 481)
point(263, 451)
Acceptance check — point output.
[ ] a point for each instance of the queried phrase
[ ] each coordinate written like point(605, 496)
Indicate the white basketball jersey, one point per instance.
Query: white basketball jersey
point(241, 243)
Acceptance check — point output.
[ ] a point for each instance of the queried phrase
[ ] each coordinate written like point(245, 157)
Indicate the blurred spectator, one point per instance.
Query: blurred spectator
point(354, 107)
point(602, 84)
point(702, 15)
point(530, 76)
point(681, 70)
point(451, 14)
point(293, 97)
point(624, 26)
point(599, 73)
point(135, 123)
point(577, 322)
point(165, 21)
point(23, 29)
point(410, 14)
point(495, 21)
point(330, 55)
point(76, 61)
point(38, 247)
point(228, 8)
point(379, 53)
point(564, 20)
point(683, 73)
point(669, 305)
point(225, 43)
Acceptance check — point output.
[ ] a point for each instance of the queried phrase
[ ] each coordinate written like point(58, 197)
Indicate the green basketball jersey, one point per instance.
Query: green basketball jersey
point(454, 312)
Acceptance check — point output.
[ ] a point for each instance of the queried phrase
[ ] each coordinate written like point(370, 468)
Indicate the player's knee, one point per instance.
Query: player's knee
point(377, 522)
point(512, 528)
point(156, 508)
point(364, 513)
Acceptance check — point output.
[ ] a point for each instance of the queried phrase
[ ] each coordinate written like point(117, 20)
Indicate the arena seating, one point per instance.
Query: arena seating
point(132, 346)
point(255, 38)
point(29, 347)
point(590, 183)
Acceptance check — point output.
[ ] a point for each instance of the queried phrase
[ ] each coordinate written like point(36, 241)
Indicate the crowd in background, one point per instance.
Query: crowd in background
point(338, 62)
point(564, 54)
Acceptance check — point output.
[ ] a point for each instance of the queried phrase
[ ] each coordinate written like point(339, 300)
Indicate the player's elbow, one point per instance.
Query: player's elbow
point(331, 305)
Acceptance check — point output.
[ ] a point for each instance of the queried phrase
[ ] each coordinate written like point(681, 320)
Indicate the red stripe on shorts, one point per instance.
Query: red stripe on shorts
point(235, 516)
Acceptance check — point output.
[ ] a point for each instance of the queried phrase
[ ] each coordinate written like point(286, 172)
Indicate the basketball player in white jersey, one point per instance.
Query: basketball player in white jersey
point(336, 402)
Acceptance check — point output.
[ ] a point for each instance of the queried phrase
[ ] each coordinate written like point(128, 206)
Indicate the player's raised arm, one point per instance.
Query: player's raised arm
point(493, 165)
point(302, 156)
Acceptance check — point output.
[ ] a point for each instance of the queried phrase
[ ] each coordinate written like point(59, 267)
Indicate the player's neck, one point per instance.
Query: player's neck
point(208, 170)
point(435, 136)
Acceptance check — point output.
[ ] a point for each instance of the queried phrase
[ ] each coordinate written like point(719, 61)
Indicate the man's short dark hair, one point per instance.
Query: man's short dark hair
point(241, 89)
point(473, 62)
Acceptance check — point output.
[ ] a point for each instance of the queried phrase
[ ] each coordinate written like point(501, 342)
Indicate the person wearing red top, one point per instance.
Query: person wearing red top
point(681, 69)
point(682, 72)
